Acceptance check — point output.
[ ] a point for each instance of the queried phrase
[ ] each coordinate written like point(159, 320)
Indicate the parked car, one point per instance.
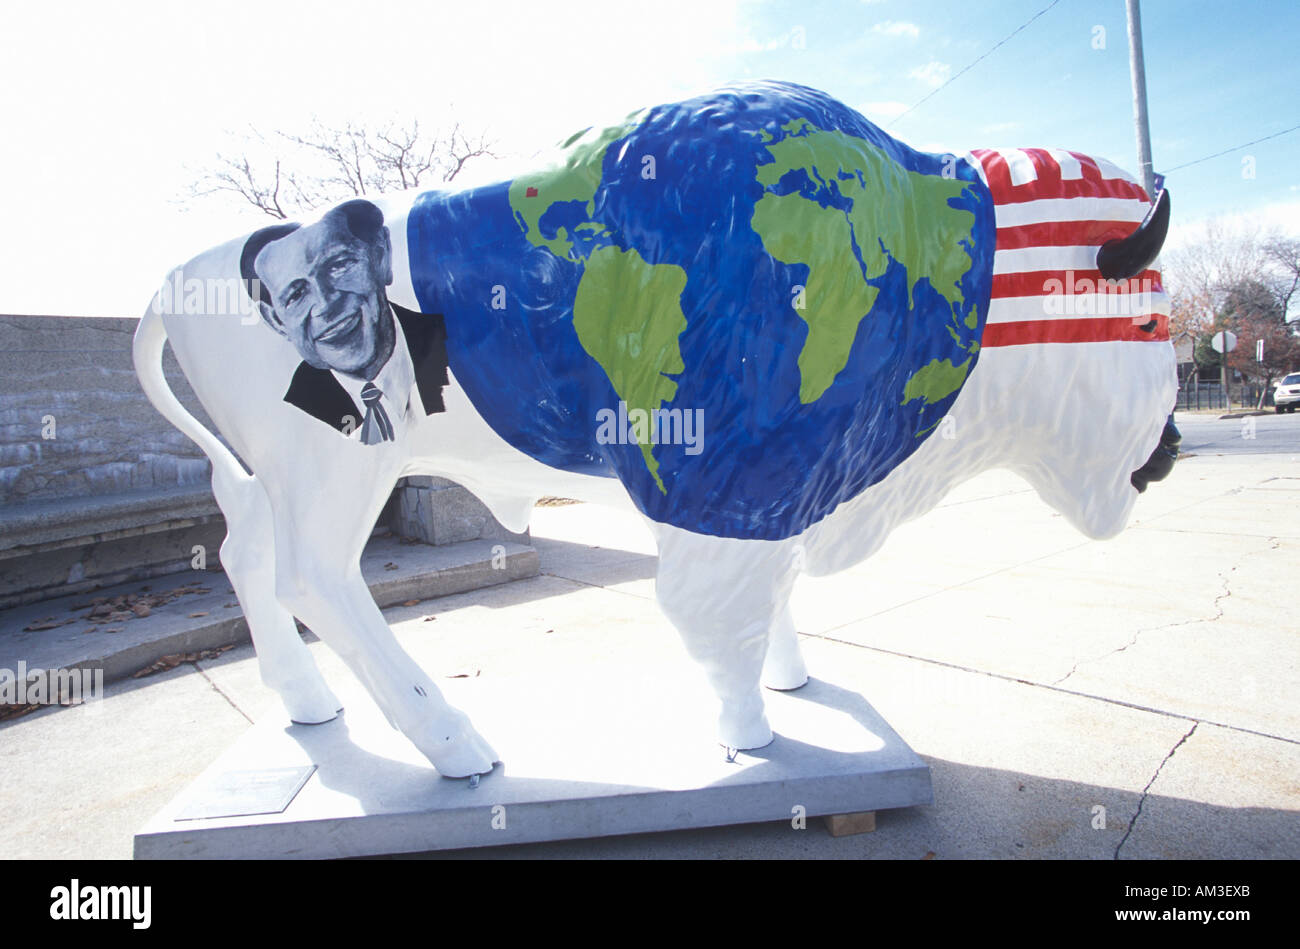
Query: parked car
point(1287, 394)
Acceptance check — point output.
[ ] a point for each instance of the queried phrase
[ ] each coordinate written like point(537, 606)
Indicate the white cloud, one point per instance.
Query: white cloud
point(153, 91)
point(751, 45)
point(882, 111)
point(1282, 217)
point(933, 73)
point(897, 28)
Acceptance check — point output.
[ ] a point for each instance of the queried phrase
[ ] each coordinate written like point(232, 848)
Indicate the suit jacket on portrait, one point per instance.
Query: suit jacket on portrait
point(319, 394)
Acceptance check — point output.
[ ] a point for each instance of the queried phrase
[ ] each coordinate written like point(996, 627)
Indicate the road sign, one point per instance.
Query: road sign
point(1259, 350)
point(1225, 341)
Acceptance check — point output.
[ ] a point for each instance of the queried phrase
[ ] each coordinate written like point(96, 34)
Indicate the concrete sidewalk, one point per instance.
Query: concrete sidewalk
point(1073, 698)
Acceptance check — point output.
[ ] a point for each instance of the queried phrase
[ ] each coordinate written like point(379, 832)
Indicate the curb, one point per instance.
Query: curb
point(205, 615)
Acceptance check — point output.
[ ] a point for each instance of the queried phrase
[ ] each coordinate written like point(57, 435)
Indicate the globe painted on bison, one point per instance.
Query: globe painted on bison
point(749, 306)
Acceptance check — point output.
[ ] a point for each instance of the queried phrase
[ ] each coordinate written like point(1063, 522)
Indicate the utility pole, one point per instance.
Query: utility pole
point(1138, 69)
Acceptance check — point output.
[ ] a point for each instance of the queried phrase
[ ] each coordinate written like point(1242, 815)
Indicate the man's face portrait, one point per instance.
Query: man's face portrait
point(326, 288)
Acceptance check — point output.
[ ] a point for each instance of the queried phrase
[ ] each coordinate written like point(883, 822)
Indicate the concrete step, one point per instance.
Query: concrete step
point(194, 611)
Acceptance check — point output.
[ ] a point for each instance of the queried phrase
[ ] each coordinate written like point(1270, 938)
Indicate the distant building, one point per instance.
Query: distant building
point(1184, 352)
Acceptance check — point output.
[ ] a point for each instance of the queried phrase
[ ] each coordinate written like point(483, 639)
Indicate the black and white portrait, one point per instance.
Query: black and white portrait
point(367, 364)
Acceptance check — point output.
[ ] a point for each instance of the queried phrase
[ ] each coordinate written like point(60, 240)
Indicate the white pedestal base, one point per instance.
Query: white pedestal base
point(581, 758)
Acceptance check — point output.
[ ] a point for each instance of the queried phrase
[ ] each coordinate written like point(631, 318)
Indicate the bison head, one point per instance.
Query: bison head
point(1080, 315)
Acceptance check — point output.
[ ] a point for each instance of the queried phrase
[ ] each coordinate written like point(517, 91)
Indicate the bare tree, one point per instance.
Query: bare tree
point(1199, 274)
point(1283, 256)
point(298, 172)
point(1255, 311)
point(1244, 281)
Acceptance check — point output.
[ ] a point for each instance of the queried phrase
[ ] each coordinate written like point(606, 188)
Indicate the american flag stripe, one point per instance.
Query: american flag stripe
point(1019, 166)
point(1029, 259)
point(1054, 209)
point(1109, 170)
point(1091, 185)
point(1071, 167)
point(1030, 309)
point(1053, 234)
point(1038, 283)
point(1098, 330)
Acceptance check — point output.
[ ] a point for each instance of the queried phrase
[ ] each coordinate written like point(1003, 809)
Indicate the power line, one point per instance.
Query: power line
point(976, 62)
point(1232, 149)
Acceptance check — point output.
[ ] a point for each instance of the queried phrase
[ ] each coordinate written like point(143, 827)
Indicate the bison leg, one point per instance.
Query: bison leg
point(727, 598)
point(319, 536)
point(784, 669)
point(248, 557)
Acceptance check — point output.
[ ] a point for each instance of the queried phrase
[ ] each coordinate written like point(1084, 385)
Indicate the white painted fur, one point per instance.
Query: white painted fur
point(1074, 420)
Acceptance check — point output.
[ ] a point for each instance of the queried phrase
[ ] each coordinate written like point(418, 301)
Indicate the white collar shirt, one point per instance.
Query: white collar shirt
point(396, 380)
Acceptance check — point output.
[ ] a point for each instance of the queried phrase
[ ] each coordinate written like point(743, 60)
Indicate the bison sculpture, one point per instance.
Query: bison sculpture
point(775, 330)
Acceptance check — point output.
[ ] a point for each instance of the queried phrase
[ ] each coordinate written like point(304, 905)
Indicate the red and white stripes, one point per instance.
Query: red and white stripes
point(1053, 210)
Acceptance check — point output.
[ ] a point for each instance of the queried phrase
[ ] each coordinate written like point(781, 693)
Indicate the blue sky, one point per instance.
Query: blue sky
point(110, 111)
point(1216, 77)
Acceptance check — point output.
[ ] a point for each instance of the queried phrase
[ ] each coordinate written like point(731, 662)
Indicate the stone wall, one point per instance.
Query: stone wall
point(73, 420)
point(97, 488)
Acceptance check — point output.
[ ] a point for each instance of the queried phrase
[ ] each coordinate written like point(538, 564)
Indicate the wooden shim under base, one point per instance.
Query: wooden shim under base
point(845, 825)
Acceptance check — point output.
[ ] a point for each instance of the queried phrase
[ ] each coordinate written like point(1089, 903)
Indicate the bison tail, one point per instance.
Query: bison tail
point(146, 352)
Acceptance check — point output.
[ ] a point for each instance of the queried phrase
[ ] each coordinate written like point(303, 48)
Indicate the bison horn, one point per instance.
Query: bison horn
point(1124, 258)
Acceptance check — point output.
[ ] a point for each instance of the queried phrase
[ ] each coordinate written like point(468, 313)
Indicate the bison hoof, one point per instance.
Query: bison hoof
point(456, 749)
point(785, 677)
point(744, 731)
point(311, 703)
point(783, 666)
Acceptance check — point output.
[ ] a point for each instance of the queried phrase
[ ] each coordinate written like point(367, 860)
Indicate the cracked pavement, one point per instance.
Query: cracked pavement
point(1217, 606)
point(1147, 790)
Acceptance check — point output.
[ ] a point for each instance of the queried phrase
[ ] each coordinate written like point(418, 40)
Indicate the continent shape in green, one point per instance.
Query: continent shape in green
point(936, 380)
point(628, 317)
point(574, 176)
point(906, 212)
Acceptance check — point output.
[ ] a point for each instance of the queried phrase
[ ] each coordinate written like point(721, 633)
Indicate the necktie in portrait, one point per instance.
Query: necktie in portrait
point(376, 427)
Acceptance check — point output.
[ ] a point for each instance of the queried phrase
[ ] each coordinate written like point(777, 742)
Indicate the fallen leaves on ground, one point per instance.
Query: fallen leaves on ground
point(17, 711)
point(175, 659)
point(8, 710)
point(126, 606)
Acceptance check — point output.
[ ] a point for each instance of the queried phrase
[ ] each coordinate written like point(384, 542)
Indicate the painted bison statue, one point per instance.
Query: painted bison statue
point(774, 329)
